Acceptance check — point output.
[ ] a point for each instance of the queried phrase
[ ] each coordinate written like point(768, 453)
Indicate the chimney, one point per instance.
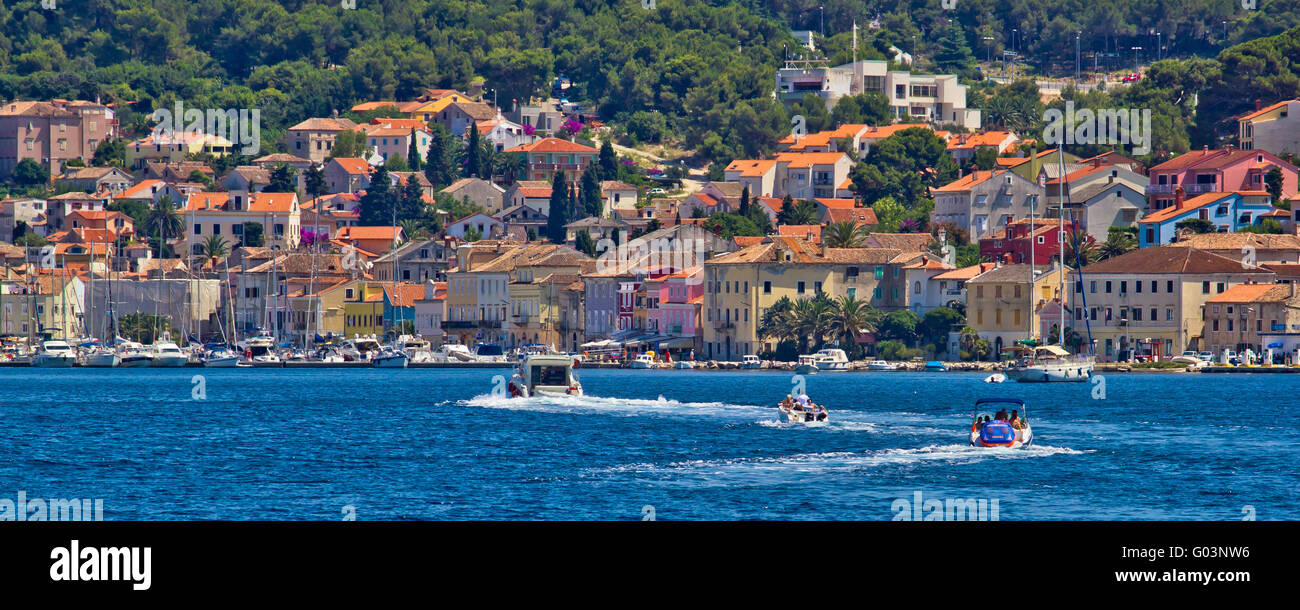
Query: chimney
point(1257, 104)
point(1227, 147)
point(1179, 195)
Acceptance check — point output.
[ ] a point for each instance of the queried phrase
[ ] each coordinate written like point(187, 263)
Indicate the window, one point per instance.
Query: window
point(1219, 287)
point(880, 272)
point(767, 287)
point(817, 287)
point(1123, 287)
point(1205, 288)
point(1092, 287)
point(1169, 287)
point(198, 229)
point(1137, 287)
point(799, 288)
point(1137, 314)
point(916, 287)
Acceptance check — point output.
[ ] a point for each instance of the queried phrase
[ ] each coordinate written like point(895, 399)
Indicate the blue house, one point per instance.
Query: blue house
point(1227, 211)
point(399, 303)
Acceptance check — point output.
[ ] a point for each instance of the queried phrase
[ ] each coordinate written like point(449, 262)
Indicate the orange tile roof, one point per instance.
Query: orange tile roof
point(885, 131)
point(371, 232)
point(861, 216)
point(836, 204)
point(751, 168)
point(1248, 293)
point(988, 138)
point(965, 273)
point(553, 145)
point(969, 180)
point(812, 233)
point(271, 202)
point(1188, 205)
point(403, 295)
point(1264, 110)
point(353, 165)
point(366, 106)
point(809, 159)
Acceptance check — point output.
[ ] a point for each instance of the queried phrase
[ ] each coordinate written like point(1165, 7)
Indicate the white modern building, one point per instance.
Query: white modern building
point(931, 98)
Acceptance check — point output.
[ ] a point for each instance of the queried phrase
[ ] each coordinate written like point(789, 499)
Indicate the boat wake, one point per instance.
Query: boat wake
point(624, 407)
point(766, 469)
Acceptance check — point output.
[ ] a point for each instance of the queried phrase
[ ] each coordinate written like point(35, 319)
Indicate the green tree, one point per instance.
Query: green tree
point(558, 214)
point(163, 223)
point(282, 180)
point(214, 248)
point(109, 153)
point(348, 144)
point(440, 160)
point(844, 234)
point(379, 202)
point(396, 163)
point(253, 235)
point(900, 325)
point(314, 182)
point(583, 243)
point(589, 198)
point(413, 151)
point(30, 173)
point(608, 161)
point(473, 156)
point(1273, 180)
point(937, 323)
point(803, 212)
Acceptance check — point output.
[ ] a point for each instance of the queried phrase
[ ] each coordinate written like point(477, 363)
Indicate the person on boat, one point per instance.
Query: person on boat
point(1002, 414)
point(1015, 420)
point(788, 403)
point(821, 412)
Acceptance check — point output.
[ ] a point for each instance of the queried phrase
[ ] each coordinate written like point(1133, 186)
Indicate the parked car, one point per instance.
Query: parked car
point(1206, 356)
point(656, 191)
point(1132, 78)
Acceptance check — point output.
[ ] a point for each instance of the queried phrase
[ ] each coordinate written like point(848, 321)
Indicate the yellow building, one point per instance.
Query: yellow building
point(741, 285)
point(1002, 303)
point(174, 148)
point(1152, 301)
point(363, 307)
point(466, 318)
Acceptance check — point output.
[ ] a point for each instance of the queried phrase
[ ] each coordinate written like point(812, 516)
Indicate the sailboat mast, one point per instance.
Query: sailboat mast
point(1062, 200)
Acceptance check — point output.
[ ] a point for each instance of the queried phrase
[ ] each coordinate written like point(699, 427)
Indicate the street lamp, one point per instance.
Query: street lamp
point(1135, 58)
point(988, 42)
point(1160, 46)
point(822, 11)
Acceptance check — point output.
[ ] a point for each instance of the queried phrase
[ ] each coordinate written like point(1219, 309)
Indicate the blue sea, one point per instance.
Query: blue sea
point(322, 444)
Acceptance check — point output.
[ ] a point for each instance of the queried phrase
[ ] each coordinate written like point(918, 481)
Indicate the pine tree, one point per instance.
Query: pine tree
point(744, 200)
point(413, 153)
point(377, 204)
point(473, 156)
point(440, 160)
point(557, 218)
point(608, 161)
point(592, 204)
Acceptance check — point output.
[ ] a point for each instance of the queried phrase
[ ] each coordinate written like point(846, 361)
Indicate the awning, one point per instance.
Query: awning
point(1274, 345)
point(677, 343)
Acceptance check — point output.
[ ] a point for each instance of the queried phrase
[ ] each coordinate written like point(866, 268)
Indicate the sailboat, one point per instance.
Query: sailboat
point(1043, 363)
point(101, 356)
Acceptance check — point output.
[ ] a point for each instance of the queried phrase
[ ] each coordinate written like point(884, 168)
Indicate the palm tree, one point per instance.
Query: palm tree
point(968, 338)
point(810, 318)
point(803, 212)
point(850, 317)
point(777, 321)
point(1117, 244)
point(214, 248)
point(1086, 252)
point(163, 222)
point(844, 234)
point(512, 167)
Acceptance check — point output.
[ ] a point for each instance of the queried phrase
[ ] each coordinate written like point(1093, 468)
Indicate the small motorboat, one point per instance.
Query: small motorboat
point(999, 430)
point(807, 365)
point(102, 357)
point(935, 365)
point(221, 359)
point(795, 412)
point(544, 374)
point(995, 378)
point(643, 361)
point(168, 354)
point(684, 364)
point(55, 354)
point(881, 365)
point(750, 362)
point(390, 358)
point(135, 355)
point(831, 360)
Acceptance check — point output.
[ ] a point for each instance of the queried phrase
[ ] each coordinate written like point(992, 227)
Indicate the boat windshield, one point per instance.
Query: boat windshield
point(488, 349)
point(550, 375)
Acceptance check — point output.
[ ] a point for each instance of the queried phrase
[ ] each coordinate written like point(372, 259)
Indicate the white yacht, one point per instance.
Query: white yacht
point(417, 350)
point(831, 360)
point(135, 355)
point(453, 352)
point(390, 358)
point(750, 361)
point(221, 358)
point(168, 354)
point(1049, 363)
point(807, 365)
point(102, 357)
point(55, 354)
point(366, 346)
point(489, 352)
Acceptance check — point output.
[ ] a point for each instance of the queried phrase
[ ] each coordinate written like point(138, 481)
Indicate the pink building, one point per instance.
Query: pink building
point(52, 133)
point(676, 307)
point(1216, 171)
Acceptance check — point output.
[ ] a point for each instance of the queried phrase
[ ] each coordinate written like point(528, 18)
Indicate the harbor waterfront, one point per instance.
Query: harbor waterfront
point(306, 444)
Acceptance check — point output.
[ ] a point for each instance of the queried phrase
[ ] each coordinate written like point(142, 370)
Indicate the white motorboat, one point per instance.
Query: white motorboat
point(1046, 363)
point(995, 378)
point(222, 359)
point(453, 352)
point(328, 354)
point(169, 355)
point(417, 350)
point(390, 358)
point(831, 360)
point(797, 413)
point(489, 352)
point(1189, 357)
point(882, 365)
point(54, 354)
point(807, 365)
point(684, 364)
point(544, 374)
point(102, 357)
point(751, 362)
point(135, 355)
point(1000, 429)
point(643, 361)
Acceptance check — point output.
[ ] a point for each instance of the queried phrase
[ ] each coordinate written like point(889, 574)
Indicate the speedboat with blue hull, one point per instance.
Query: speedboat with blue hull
point(1001, 429)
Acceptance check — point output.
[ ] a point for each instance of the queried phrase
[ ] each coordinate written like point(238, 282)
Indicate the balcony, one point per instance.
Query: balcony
point(450, 324)
point(1198, 189)
point(489, 323)
point(723, 325)
point(557, 167)
point(1160, 189)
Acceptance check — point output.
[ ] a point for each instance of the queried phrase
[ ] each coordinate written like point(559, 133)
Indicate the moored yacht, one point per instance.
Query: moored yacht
point(389, 358)
point(882, 365)
point(54, 354)
point(750, 361)
point(807, 365)
point(168, 354)
point(102, 357)
point(831, 360)
point(643, 361)
point(544, 374)
point(1049, 363)
point(135, 355)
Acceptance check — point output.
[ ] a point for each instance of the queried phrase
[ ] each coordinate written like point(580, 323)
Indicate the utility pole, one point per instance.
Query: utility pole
point(1076, 58)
